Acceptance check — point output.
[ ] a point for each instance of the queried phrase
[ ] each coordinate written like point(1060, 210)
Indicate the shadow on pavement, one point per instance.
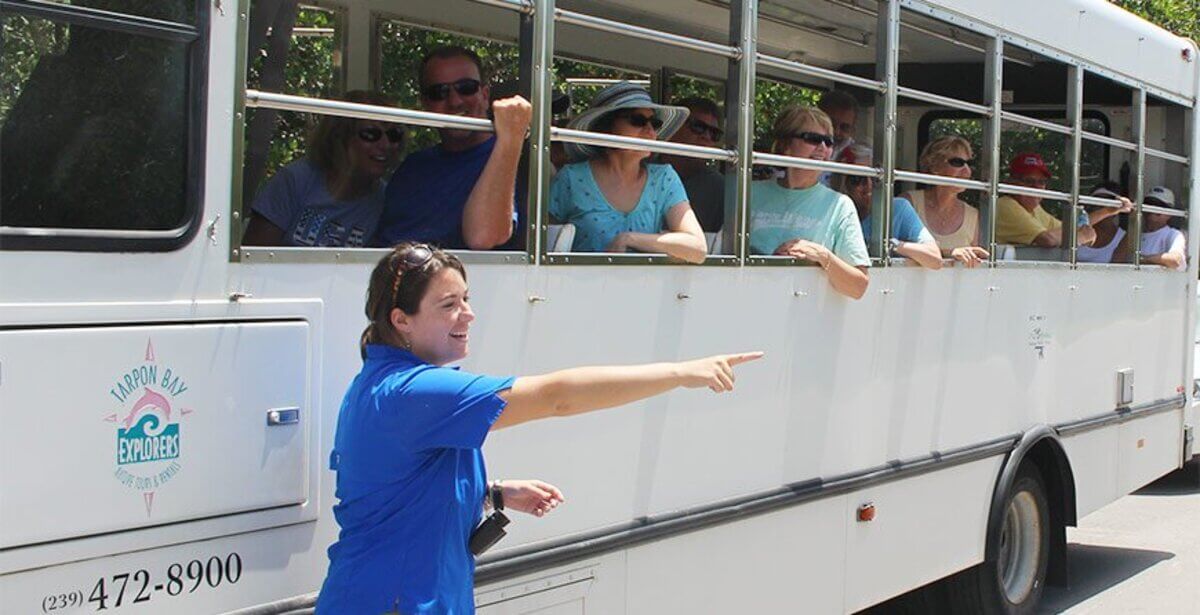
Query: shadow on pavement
point(1184, 481)
point(1094, 569)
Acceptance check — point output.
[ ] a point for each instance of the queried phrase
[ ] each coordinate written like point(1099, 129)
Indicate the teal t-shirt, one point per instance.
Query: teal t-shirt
point(818, 214)
point(576, 198)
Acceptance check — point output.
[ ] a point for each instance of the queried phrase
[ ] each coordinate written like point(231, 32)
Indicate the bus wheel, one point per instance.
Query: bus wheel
point(1011, 578)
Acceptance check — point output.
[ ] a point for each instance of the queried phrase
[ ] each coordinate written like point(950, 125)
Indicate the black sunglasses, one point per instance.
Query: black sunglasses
point(637, 120)
point(440, 91)
point(701, 128)
point(416, 257)
point(372, 134)
point(814, 138)
point(958, 162)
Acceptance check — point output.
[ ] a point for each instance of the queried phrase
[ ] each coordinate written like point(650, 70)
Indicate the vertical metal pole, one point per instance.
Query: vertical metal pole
point(1137, 179)
point(739, 122)
point(887, 70)
point(538, 61)
point(1074, 153)
point(992, 93)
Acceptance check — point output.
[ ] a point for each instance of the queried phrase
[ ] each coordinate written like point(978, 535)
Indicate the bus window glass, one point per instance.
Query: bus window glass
point(626, 86)
point(1164, 208)
point(88, 145)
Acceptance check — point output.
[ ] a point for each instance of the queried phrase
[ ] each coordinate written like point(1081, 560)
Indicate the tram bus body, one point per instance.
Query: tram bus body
point(913, 401)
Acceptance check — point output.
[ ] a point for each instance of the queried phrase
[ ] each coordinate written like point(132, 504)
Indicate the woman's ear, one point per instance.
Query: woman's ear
point(401, 322)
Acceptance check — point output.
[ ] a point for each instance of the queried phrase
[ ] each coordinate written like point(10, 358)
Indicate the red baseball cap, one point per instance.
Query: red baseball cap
point(1028, 163)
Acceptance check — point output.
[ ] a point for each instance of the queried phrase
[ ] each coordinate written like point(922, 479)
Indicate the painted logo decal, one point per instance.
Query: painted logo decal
point(148, 439)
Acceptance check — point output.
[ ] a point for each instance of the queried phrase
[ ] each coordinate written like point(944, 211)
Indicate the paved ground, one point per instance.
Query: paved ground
point(1140, 554)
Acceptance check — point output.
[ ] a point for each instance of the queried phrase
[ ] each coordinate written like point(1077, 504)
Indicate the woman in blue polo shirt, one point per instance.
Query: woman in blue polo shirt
point(411, 481)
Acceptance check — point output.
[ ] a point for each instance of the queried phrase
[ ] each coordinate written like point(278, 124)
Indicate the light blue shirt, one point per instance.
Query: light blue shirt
point(817, 214)
point(576, 198)
point(906, 224)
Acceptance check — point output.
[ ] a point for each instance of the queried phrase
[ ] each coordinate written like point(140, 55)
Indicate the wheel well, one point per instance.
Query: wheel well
point(1051, 462)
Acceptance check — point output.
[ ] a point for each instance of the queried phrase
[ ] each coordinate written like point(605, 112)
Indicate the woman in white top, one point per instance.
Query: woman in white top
point(1111, 244)
point(953, 223)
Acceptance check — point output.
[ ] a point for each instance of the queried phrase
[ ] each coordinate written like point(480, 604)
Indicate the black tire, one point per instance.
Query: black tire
point(1012, 577)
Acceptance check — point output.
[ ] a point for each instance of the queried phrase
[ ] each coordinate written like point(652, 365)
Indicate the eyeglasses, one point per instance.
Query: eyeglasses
point(855, 181)
point(701, 128)
point(959, 162)
point(844, 127)
point(372, 134)
point(1035, 182)
point(637, 120)
point(440, 91)
point(416, 257)
point(814, 138)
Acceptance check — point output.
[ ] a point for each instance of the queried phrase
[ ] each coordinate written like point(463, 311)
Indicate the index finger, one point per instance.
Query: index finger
point(743, 357)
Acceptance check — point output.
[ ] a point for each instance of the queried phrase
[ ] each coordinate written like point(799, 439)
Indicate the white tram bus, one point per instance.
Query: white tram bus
point(168, 396)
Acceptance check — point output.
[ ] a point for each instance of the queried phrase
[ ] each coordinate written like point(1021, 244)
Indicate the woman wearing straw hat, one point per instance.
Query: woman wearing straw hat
point(617, 201)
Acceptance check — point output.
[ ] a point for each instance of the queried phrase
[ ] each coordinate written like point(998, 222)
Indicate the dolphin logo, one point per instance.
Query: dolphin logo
point(148, 400)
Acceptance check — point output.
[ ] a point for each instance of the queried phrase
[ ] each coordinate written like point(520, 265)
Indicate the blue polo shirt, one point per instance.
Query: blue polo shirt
point(426, 197)
point(410, 486)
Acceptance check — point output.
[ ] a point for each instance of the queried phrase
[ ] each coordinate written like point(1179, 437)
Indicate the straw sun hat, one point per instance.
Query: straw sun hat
point(623, 95)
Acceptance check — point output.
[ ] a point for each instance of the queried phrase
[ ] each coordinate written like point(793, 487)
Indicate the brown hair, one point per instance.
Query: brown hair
point(394, 284)
point(329, 143)
point(793, 120)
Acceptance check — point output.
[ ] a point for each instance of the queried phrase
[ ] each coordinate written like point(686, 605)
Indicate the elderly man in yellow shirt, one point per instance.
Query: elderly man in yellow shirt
point(1021, 220)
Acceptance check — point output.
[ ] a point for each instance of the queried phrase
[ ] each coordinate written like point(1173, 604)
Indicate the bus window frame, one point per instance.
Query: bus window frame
point(196, 37)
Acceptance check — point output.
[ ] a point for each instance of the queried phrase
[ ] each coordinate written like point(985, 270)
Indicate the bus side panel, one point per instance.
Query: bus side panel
point(1150, 448)
point(792, 557)
point(1094, 464)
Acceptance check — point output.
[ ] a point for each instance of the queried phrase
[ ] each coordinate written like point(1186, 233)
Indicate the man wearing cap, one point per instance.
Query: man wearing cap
point(1021, 220)
point(462, 192)
point(1162, 244)
point(705, 185)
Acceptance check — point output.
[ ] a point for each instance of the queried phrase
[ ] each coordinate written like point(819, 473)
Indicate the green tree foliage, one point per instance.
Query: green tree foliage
point(1179, 16)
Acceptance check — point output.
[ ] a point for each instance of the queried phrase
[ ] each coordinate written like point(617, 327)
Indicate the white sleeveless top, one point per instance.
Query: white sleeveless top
point(1103, 254)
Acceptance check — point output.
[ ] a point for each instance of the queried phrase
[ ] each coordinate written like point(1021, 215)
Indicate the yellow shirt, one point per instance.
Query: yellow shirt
point(1019, 226)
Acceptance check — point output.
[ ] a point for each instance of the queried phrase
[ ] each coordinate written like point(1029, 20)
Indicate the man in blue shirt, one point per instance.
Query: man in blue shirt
point(460, 194)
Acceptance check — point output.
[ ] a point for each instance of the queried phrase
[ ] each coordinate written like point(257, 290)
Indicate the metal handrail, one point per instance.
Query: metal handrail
point(304, 104)
point(521, 6)
point(1035, 192)
point(1107, 140)
point(1154, 209)
point(810, 164)
point(1157, 153)
point(944, 101)
point(939, 180)
point(1009, 116)
point(601, 139)
point(820, 73)
point(657, 36)
point(1085, 199)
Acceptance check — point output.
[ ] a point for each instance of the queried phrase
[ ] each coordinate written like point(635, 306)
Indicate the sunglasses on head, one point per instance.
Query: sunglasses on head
point(701, 128)
point(373, 134)
point(814, 138)
point(959, 162)
point(416, 257)
point(441, 91)
point(637, 120)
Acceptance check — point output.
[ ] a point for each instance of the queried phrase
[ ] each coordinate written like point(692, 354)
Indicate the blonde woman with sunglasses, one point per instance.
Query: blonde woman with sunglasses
point(953, 223)
point(333, 196)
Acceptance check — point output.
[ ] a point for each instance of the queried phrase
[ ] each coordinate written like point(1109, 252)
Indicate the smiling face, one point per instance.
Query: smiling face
point(438, 332)
point(373, 158)
point(956, 163)
point(450, 71)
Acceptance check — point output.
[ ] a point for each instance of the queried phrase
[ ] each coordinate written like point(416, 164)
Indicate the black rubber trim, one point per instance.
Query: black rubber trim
point(106, 20)
point(1120, 415)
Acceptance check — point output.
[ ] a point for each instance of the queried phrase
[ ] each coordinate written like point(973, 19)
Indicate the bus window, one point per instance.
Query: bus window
point(86, 148)
point(942, 174)
point(1034, 215)
point(309, 65)
point(627, 81)
point(816, 94)
point(1165, 188)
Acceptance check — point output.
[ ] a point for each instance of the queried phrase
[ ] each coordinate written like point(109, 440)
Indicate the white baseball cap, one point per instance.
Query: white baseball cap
point(1160, 196)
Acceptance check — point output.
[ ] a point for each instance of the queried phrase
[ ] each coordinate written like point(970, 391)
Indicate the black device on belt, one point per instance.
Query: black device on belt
point(491, 530)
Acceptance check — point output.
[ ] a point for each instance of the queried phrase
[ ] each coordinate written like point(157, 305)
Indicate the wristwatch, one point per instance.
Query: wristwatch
point(893, 244)
point(496, 495)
